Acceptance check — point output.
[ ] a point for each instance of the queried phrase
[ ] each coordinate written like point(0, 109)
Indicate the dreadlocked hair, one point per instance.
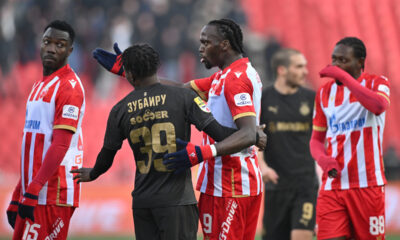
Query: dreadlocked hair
point(230, 31)
point(358, 46)
point(141, 60)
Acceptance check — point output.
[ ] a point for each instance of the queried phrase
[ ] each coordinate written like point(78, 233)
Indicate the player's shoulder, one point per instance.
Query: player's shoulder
point(374, 77)
point(267, 91)
point(307, 91)
point(70, 80)
point(326, 85)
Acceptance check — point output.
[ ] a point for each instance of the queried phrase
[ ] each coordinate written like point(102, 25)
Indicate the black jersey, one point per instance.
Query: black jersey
point(151, 119)
point(288, 120)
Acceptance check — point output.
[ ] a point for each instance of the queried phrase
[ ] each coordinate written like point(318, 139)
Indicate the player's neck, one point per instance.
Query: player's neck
point(283, 88)
point(48, 71)
point(229, 59)
point(147, 81)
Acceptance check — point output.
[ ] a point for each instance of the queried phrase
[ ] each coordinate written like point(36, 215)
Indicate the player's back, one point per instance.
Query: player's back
point(151, 118)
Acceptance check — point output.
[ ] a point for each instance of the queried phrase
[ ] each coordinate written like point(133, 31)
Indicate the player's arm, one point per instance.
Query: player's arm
point(374, 101)
point(192, 155)
point(54, 156)
point(268, 174)
point(112, 143)
point(317, 148)
point(245, 137)
point(104, 161)
point(12, 209)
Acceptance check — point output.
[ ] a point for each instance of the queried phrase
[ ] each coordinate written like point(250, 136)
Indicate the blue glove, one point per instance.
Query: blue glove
point(110, 61)
point(189, 156)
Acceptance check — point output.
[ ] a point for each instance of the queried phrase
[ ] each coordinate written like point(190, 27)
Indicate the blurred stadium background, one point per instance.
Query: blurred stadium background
point(173, 28)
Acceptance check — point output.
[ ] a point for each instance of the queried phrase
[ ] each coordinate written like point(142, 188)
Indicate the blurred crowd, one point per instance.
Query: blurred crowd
point(171, 26)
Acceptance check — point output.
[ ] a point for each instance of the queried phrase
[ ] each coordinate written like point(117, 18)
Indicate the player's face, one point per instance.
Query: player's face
point(297, 70)
point(343, 57)
point(55, 49)
point(210, 48)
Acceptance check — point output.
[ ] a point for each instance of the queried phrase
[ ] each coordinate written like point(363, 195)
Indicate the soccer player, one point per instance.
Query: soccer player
point(346, 142)
point(231, 185)
point(46, 195)
point(287, 166)
point(155, 119)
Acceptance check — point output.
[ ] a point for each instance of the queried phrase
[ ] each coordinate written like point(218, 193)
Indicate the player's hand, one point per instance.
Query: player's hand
point(83, 174)
point(262, 138)
point(189, 156)
point(29, 201)
point(12, 211)
point(330, 166)
point(110, 61)
point(269, 175)
point(334, 72)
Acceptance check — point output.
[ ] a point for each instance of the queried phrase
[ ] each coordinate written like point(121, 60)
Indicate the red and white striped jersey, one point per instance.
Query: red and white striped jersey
point(353, 134)
point(232, 93)
point(55, 102)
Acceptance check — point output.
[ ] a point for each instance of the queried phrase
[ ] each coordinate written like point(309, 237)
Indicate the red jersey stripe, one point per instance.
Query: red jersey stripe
point(369, 156)
point(353, 163)
point(28, 140)
point(38, 154)
point(339, 95)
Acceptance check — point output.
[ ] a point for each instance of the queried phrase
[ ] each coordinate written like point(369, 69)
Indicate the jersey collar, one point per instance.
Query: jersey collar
point(59, 72)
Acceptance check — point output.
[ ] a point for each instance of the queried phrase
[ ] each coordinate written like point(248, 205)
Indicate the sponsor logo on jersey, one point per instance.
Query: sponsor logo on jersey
point(384, 88)
point(273, 109)
point(243, 99)
point(73, 83)
point(349, 125)
point(70, 111)
point(32, 124)
point(202, 105)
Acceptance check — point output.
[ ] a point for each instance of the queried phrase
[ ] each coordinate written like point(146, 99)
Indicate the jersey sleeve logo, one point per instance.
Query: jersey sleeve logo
point(243, 99)
point(384, 88)
point(70, 111)
point(202, 105)
point(238, 74)
point(73, 83)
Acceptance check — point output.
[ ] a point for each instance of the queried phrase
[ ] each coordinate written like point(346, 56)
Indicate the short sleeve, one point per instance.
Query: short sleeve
point(382, 87)
point(113, 138)
point(202, 86)
point(319, 118)
point(239, 96)
point(199, 114)
point(68, 105)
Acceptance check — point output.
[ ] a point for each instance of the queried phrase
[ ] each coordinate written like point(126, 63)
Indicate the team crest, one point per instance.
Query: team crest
point(43, 93)
point(304, 109)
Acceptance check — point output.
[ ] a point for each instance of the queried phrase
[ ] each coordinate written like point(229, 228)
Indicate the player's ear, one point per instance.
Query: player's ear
point(361, 63)
point(281, 70)
point(225, 44)
point(71, 48)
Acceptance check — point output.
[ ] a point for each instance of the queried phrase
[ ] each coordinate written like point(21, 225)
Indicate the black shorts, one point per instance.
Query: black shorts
point(286, 210)
point(177, 222)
